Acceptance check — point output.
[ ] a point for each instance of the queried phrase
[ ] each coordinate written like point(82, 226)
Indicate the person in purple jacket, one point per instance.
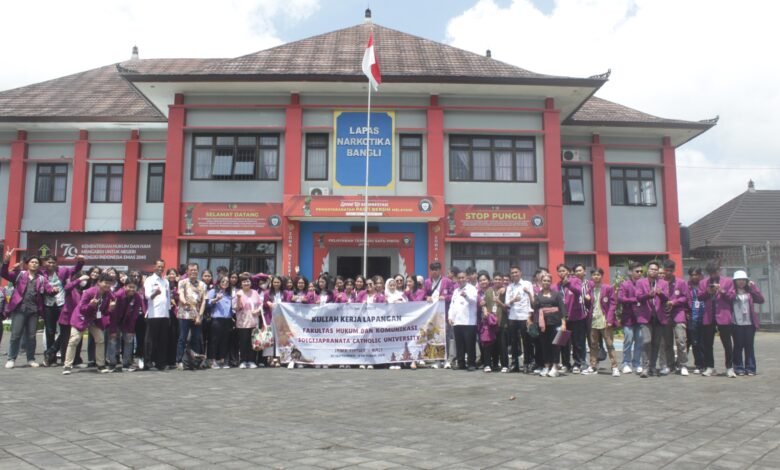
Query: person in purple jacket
point(632, 332)
point(56, 276)
point(717, 311)
point(439, 287)
point(121, 329)
point(92, 314)
point(570, 288)
point(651, 295)
point(676, 309)
point(414, 292)
point(744, 295)
point(25, 306)
point(601, 304)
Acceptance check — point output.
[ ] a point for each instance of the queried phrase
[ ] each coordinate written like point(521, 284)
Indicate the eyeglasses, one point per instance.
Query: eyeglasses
point(638, 271)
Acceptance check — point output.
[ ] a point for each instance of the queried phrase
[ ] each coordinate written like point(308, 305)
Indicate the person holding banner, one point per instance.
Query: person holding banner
point(299, 293)
point(361, 292)
point(414, 291)
point(378, 296)
point(438, 287)
point(393, 294)
point(248, 304)
point(463, 318)
point(348, 296)
point(323, 293)
point(552, 316)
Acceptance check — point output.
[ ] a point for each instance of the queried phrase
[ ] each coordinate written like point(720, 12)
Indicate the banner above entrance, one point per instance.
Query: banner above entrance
point(496, 221)
point(411, 207)
point(262, 219)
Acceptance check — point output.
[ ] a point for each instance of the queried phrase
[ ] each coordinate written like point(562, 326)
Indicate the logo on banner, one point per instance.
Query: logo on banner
point(352, 136)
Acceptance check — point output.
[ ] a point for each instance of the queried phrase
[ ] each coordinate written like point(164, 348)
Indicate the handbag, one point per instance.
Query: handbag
point(562, 338)
point(262, 338)
point(533, 331)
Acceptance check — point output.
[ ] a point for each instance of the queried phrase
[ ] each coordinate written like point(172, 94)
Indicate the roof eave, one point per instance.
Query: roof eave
point(79, 119)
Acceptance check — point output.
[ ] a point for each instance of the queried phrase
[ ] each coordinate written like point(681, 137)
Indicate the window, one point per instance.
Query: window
point(252, 256)
point(494, 257)
point(411, 158)
point(589, 261)
point(107, 183)
point(155, 182)
point(485, 158)
point(235, 157)
point(573, 188)
point(51, 182)
point(632, 186)
point(317, 157)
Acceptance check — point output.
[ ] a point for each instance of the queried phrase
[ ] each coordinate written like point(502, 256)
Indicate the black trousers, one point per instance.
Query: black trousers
point(708, 343)
point(579, 331)
point(219, 343)
point(51, 316)
point(245, 345)
point(156, 342)
point(518, 335)
point(140, 334)
point(550, 352)
point(501, 348)
point(466, 344)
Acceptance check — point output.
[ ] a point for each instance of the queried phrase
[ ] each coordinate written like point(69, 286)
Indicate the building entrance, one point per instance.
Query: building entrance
point(351, 266)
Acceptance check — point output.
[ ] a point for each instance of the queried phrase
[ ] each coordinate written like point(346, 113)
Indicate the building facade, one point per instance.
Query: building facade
point(257, 163)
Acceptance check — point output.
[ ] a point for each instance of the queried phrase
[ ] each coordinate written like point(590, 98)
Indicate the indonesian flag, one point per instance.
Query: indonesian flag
point(371, 65)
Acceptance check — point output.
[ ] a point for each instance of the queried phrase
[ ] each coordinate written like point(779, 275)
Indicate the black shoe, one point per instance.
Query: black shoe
point(92, 364)
point(472, 369)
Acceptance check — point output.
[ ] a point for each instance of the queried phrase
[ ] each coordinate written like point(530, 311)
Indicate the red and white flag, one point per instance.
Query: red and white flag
point(371, 65)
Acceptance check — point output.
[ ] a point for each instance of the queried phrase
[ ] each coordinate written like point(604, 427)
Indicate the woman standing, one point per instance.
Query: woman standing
point(551, 313)
point(172, 275)
point(413, 290)
point(393, 293)
point(744, 295)
point(25, 306)
point(248, 304)
point(348, 296)
point(220, 300)
point(378, 295)
point(323, 294)
point(299, 292)
point(205, 324)
point(273, 297)
point(361, 289)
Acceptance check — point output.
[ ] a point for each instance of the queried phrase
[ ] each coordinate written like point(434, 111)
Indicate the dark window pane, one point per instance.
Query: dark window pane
point(459, 164)
point(618, 194)
point(411, 165)
point(481, 165)
point(525, 166)
point(503, 166)
point(204, 140)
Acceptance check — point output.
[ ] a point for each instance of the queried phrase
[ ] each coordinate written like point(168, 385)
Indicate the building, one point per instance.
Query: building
point(743, 234)
point(257, 162)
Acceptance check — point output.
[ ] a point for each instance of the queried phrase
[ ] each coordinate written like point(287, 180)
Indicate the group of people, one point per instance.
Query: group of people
point(555, 326)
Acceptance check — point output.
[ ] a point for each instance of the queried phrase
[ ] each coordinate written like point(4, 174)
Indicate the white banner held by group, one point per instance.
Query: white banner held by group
point(354, 334)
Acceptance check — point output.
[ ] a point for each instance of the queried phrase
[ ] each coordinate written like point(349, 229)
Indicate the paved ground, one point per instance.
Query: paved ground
point(335, 418)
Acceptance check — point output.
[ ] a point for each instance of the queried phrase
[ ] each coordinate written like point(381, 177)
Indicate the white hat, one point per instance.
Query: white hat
point(740, 275)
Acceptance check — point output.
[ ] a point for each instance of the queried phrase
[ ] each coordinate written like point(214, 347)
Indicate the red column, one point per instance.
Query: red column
point(435, 157)
point(130, 182)
point(174, 167)
point(16, 187)
point(599, 185)
point(80, 191)
point(293, 135)
point(671, 211)
point(553, 190)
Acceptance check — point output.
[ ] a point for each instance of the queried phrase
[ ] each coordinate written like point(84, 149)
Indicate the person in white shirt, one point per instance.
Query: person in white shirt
point(519, 299)
point(157, 293)
point(463, 318)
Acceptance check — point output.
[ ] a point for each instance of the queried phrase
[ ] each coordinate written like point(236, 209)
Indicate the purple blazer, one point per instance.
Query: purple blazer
point(20, 280)
point(649, 304)
point(607, 301)
point(446, 287)
point(64, 273)
point(755, 298)
point(416, 296)
point(378, 298)
point(677, 293)
point(627, 297)
point(257, 279)
point(315, 299)
point(72, 297)
point(723, 305)
point(126, 313)
point(85, 314)
point(572, 293)
point(361, 296)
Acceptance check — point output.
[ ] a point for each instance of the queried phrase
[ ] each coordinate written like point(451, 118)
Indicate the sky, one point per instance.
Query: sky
point(684, 59)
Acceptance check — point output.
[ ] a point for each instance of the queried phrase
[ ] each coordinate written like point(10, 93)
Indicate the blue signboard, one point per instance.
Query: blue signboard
point(351, 151)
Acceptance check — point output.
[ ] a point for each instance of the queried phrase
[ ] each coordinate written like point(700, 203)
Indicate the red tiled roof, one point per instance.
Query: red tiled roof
point(99, 94)
point(748, 219)
point(597, 111)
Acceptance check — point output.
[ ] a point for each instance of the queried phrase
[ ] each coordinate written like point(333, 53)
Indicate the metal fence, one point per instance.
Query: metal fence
point(762, 263)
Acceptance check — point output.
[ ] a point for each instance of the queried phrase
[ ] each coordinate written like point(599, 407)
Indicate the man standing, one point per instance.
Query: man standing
point(632, 333)
point(571, 287)
point(157, 293)
point(192, 302)
point(92, 314)
point(437, 287)
point(519, 299)
point(651, 295)
point(57, 277)
point(676, 310)
point(463, 318)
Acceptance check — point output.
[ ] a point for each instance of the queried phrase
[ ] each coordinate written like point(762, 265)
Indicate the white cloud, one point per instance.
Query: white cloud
point(686, 59)
point(44, 39)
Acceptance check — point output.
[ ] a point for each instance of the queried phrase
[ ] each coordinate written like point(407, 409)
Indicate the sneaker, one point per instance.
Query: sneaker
point(435, 365)
point(750, 373)
point(665, 371)
point(242, 366)
point(740, 373)
point(639, 371)
point(575, 370)
point(731, 374)
point(644, 374)
point(141, 363)
point(394, 367)
point(504, 370)
point(544, 372)
point(538, 371)
point(627, 369)
point(118, 368)
point(10, 364)
point(488, 369)
point(291, 365)
point(615, 372)
point(697, 371)
point(369, 367)
point(215, 365)
point(32, 364)
point(562, 370)
point(104, 370)
point(92, 364)
point(708, 372)
point(589, 371)
point(362, 367)
point(684, 371)
point(252, 365)
point(132, 369)
point(66, 370)
point(179, 366)
point(447, 365)
point(46, 360)
point(226, 365)
point(553, 372)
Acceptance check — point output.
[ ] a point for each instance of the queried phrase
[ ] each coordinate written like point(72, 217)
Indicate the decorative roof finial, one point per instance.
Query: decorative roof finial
point(368, 15)
point(751, 186)
point(134, 55)
point(488, 54)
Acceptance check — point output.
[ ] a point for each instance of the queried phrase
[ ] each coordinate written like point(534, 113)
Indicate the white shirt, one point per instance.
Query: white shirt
point(520, 309)
point(157, 307)
point(463, 310)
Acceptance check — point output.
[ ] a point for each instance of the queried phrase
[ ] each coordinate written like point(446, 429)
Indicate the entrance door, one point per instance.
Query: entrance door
point(351, 266)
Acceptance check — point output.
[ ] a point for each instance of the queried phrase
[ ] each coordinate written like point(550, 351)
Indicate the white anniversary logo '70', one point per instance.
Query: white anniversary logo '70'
point(69, 250)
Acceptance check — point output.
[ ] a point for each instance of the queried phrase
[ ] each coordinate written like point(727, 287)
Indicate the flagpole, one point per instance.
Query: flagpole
point(365, 202)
